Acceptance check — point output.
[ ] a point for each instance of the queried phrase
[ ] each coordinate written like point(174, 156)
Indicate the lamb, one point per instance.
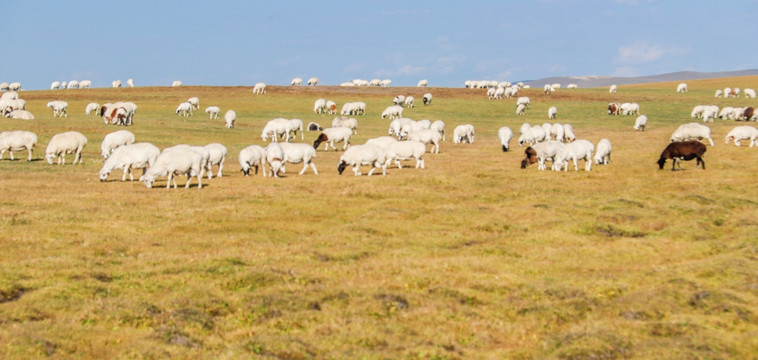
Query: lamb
point(116, 83)
point(16, 141)
point(296, 125)
point(463, 133)
point(422, 83)
point(505, 135)
point(259, 88)
point(367, 154)
point(252, 156)
point(640, 123)
point(603, 152)
point(176, 83)
point(20, 114)
point(568, 133)
point(217, 155)
point(580, 149)
point(551, 112)
point(299, 153)
point(541, 152)
point(128, 157)
point(333, 135)
point(331, 107)
point(59, 108)
point(195, 102)
point(686, 150)
point(276, 128)
point(346, 122)
point(296, 81)
point(691, 131)
point(65, 143)
point(274, 158)
point(742, 133)
point(178, 161)
point(319, 106)
point(184, 109)
point(313, 81)
point(438, 126)
point(681, 88)
point(91, 108)
point(312, 126)
point(612, 89)
point(55, 85)
point(212, 112)
point(406, 150)
point(520, 109)
point(427, 99)
point(409, 102)
point(749, 93)
point(393, 112)
point(229, 118)
point(535, 135)
point(114, 140)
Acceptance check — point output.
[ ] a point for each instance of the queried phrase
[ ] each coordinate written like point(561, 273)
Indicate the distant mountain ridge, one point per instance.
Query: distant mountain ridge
point(597, 80)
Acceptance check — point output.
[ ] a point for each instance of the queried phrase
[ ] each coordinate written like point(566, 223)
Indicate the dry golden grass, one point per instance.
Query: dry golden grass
point(470, 258)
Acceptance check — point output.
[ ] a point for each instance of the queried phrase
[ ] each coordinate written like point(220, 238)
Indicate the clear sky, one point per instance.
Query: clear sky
point(220, 42)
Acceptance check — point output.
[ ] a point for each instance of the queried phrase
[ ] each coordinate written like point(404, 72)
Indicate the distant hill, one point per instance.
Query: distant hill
point(596, 81)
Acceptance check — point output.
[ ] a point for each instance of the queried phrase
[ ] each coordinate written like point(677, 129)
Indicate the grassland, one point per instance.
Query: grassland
point(471, 258)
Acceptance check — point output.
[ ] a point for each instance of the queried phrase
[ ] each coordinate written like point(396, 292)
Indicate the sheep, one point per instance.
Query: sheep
point(319, 106)
point(718, 93)
point(116, 83)
point(524, 128)
point(178, 161)
point(184, 109)
point(346, 122)
point(558, 131)
point(406, 150)
point(65, 143)
point(603, 152)
point(393, 112)
point(367, 154)
point(691, 131)
point(313, 81)
point(549, 89)
point(382, 141)
point(491, 93)
point(568, 133)
point(259, 88)
point(749, 93)
point(386, 83)
point(548, 127)
point(85, 84)
point(572, 86)
point(409, 102)
point(128, 157)
point(505, 135)
point(463, 133)
point(742, 133)
point(212, 112)
point(551, 112)
point(252, 156)
point(349, 109)
point(10, 95)
point(580, 149)
point(398, 100)
point(296, 81)
point(541, 152)
point(396, 126)
point(710, 113)
point(748, 113)
point(130, 82)
point(640, 123)
point(20, 115)
point(523, 100)
point(14, 86)
point(422, 83)
point(176, 83)
point(411, 126)
point(217, 155)
point(735, 92)
point(312, 126)
point(195, 102)
point(520, 109)
point(331, 107)
point(535, 135)
point(727, 92)
point(114, 140)
point(3, 86)
point(499, 92)
point(612, 89)
point(17, 140)
point(296, 125)
point(686, 150)
point(274, 158)
point(427, 99)
point(726, 113)
point(428, 136)
point(8, 105)
point(630, 109)
point(438, 126)
point(360, 107)
point(681, 88)
point(375, 82)
point(229, 118)
point(512, 91)
point(121, 113)
point(299, 153)
point(55, 85)
point(329, 136)
point(59, 108)
point(276, 128)
point(91, 108)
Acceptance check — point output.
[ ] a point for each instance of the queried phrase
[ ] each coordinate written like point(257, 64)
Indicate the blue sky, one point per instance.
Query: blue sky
point(447, 42)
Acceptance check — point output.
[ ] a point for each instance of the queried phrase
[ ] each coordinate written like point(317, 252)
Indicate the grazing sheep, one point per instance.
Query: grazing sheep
point(367, 154)
point(558, 131)
point(217, 155)
point(16, 141)
point(551, 112)
point(393, 112)
point(422, 83)
point(259, 88)
point(114, 140)
point(548, 130)
point(406, 150)
point(749, 93)
point(229, 118)
point(612, 89)
point(176, 83)
point(195, 102)
point(346, 122)
point(534, 135)
point(748, 113)
point(411, 126)
point(212, 112)
point(59, 108)
point(427, 136)
point(85, 84)
point(549, 89)
point(603, 152)
point(427, 99)
point(409, 102)
point(296, 125)
point(385, 83)
point(689, 131)
point(580, 149)
point(121, 113)
point(313, 81)
point(505, 135)
point(541, 152)
point(184, 109)
point(130, 82)
point(296, 81)
point(438, 126)
point(178, 161)
point(568, 133)
point(331, 107)
point(640, 123)
point(274, 158)
point(312, 126)
point(396, 126)
point(350, 109)
point(3, 86)
point(572, 86)
point(463, 133)
point(718, 93)
point(742, 133)
point(252, 156)
point(55, 85)
point(630, 109)
point(319, 106)
point(686, 150)
point(523, 100)
point(299, 153)
point(329, 136)
point(520, 109)
point(128, 157)
point(382, 141)
point(65, 143)
point(681, 88)
point(116, 83)
point(399, 100)
point(276, 128)
point(524, 128)
point(91, 108)
point(20, 115)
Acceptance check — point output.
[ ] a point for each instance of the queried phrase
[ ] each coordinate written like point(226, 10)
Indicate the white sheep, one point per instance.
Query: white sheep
point(10, 95)
point(749, 93)
point(491, 93)
point(350, 123)
point(276, 128)
point(296, 125)
point(252, 156)
point(524, 128)
point(558, 131)
point(409, 102)
point(427, 99)
point(130, 82)
point(313, 81)
point(359, 107)
point(505, 134)
point(319, 106)
point(577, 150)
point(212, 112)
point(176, 83)
point(603, 152)
point(393, 112)
point(568, 133)
point(116, 83)
point(14, 86)
point(55, 85)
point(367, 154)
point(184, 109)
point(463, 133)
point(85, 84)
point(195, 102)
point(128, 157)
point(229, 118)
point(382, 141)
point(411, 126)
point(630, 109)
point(396, 126)
point(692, 131)
point(259, 88)
point(331, 107)
point(299, 153)
point(681, 88)
point(274, 158)
point(3, 86)
point(710, 113)
point(548, 127)
point(640, 123)
point(386, 83)
point(406, 150)
point(718, 93)
point(17, 140)
point(438, 126)
point(551, 112)
point(523, 100)
point(742, 133)
point(543, 151)
point(217, 155)
point(549, 89)
point(20, 115)
point(65, 143)
point(520, 109)
point(612, 89)
point(114, 140)
point(398, 100)
point(350, 108)
point(534, 135)
point(59, 108)
point(499, 92)
point(296, 81)
point(427, 136)
point(178, 161)
point(8, 105)
point(726, 113)
point(91, 108)
point(422, 83)
point(332, 135)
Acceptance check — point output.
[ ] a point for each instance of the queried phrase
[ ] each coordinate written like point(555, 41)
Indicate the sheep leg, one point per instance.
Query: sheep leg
point(168, 181)
point(313, 166)
point(220, 167)
point(189, 177)
point(126, 169)
point(11, 152)
point(199, 182)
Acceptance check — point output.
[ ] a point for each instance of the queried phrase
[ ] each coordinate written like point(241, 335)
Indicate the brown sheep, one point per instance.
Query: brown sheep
point(686, 150)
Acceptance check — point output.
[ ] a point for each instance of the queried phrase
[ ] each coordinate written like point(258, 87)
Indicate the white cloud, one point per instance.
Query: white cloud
point(640, 52)
point(353, 68)
point(625, 71)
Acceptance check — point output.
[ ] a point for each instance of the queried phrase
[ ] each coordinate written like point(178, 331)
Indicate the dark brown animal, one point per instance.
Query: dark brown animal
point(685, 150)
point(749, 111)
point(530, 158)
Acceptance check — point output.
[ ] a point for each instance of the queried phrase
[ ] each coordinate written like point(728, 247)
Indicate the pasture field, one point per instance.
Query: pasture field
point(471, 258)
